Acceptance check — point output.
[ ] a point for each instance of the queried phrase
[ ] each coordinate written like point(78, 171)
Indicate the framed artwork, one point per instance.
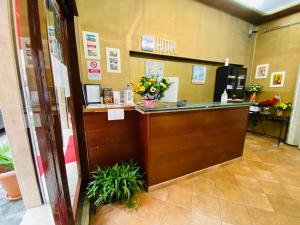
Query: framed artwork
point(148, 43)
point(277, 79)
point(91, 45)
point(113, 60)
point(94, 69)
point(92, 93)
point(262, 71)
point(199, 74)
point(154, 69)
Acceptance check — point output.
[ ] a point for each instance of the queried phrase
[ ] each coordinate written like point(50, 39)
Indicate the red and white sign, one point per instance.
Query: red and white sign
point(94, 69)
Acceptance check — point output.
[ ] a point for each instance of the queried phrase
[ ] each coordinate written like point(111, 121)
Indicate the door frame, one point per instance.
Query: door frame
point(61, 203)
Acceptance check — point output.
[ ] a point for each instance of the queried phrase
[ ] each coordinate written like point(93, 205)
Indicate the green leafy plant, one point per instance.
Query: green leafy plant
point(284, 106)
point(117, 183)
point(255, 88)
point(6, 157)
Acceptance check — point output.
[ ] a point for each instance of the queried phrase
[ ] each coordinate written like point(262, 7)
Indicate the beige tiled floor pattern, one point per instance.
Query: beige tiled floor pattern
point(263, 188)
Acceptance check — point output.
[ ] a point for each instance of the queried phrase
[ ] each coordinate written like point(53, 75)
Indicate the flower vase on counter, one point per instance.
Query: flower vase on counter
point(283, 107)
point(253, 90)
point(151, 89)
point(149, 103)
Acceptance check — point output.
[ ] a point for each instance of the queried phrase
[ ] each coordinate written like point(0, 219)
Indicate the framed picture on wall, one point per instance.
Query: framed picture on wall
point(92, 93)
point(277, 79)
point(262, 71)
point(199, 74)
point(154, 69)
point(113, 60)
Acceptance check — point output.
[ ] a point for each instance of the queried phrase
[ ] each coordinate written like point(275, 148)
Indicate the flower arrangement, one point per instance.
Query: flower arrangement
point(268, 103)
point(151, 88)
point(255, 88)
point(284, 106)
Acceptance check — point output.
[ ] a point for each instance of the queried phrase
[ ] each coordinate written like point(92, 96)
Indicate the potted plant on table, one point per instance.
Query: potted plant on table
point(283, 107)
point(8, 177)
point(253, 90)
point(151, 89)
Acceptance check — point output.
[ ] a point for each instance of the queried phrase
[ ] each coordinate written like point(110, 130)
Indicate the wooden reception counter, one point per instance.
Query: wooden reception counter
point(168, 141)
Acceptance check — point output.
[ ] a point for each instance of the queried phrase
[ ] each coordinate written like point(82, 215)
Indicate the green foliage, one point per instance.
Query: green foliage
point(284, 106)
point(119, 182)
point(6, 157)
point(255, 88)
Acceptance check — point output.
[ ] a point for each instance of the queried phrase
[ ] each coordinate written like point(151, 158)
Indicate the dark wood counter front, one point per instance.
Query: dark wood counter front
point(167, 144)
point(175, 144)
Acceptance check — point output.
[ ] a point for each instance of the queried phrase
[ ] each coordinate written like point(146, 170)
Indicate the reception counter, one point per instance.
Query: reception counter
point(168, 141)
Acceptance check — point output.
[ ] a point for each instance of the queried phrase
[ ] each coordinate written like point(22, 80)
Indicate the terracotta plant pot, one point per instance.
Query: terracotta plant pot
point(252, 97)
point(149, 103)
point(10, 185)
point(279, 112)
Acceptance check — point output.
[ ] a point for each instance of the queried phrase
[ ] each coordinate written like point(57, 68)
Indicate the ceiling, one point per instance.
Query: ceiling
point(256, 11)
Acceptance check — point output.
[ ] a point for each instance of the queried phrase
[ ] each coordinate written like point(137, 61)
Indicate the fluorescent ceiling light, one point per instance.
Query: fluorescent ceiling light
point(268, 6)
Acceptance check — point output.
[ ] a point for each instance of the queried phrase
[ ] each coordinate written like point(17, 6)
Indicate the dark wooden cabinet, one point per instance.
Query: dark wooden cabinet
point(232, 79)
point(109, 142)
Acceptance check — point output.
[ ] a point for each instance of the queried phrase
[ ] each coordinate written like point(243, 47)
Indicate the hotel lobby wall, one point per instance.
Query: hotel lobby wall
point(200, 32)
point(281, 50)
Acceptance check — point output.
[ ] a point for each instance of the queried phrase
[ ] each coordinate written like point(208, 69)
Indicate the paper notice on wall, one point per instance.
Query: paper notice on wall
point(91, 45)
point(115, 114)
point(26, 46)
point(171, 94)
point(94, 69)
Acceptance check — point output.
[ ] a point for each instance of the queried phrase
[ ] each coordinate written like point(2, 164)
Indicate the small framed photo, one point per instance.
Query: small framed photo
point(92, 93)
point(262, 71)
point(199, 74)
point(277, 79)
point(148, 43)
point(113, 59)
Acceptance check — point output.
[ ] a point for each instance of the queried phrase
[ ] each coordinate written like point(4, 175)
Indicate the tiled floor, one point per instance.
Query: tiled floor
point(263, 188)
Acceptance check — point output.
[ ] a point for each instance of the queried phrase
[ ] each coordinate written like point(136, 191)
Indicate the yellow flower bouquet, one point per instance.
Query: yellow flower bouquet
point(151, 88)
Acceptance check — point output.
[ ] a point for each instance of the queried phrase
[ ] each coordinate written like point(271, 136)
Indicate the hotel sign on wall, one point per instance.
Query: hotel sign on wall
point(158, 45)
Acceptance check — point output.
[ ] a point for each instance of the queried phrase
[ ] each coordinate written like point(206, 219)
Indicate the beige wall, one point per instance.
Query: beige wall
point(281, 50)
point(12, 111)
point(200, 32)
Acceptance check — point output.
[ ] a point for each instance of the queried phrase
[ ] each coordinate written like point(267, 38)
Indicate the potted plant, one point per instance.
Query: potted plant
point(266, 105)
point(117, 183)
point(282, 107)
point(8, 178)
point(151, 89)
point(253, 90)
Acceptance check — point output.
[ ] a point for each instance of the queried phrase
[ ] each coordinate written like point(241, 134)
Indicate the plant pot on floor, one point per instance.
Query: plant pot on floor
point(9, 183)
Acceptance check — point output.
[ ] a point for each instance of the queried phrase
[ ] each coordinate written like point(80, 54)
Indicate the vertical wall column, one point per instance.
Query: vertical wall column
point(12, 111)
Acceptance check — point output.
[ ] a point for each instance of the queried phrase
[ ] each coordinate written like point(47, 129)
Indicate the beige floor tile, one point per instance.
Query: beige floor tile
point(181, 195)
point(284, 205)
point(263, 217)
point(288, 220)
point(206, 205)
point(229, 192)
point(248, 183)
point(233, 213)
point(150, 210)
point(262, 174)
point(273, 188)
point(160, 194)
point(137, 221)
point(107, 215)
point(257, 199)
point(175, 215)
point(293, 191)
point(202, 184)
point(198, 219)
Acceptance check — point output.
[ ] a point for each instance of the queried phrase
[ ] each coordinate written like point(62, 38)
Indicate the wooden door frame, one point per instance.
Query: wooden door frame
point(61, 205)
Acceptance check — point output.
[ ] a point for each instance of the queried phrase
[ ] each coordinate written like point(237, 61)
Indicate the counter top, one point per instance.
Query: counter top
point(170, 107)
